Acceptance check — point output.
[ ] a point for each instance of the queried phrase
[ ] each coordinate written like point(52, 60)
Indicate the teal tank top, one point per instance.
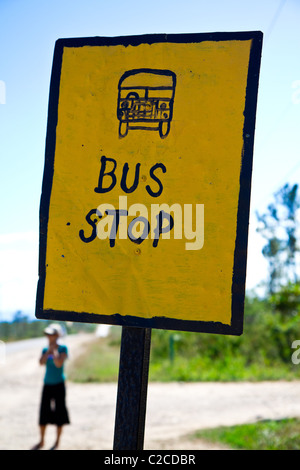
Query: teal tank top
point(54, 375)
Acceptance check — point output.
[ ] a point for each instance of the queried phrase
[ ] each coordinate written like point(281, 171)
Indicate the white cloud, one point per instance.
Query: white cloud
point(18, 272)
point(23, 237)
point(257, 266)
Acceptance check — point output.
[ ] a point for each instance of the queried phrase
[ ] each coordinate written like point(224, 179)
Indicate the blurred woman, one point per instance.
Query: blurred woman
point(53, 408)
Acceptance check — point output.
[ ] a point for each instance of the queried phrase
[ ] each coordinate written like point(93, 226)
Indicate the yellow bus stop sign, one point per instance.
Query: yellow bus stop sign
point(145, 200)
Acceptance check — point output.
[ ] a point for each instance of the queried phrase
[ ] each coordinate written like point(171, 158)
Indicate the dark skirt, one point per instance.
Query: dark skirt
point(53, 408)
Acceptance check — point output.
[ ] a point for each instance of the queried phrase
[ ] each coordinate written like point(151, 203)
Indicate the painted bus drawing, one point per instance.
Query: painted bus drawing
point(145, 100)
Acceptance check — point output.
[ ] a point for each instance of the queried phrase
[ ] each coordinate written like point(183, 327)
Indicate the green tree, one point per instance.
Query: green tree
point(279, 225)
point(285, 323)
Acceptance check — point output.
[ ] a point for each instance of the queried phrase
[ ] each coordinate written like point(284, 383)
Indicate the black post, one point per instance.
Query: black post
point(132, 388)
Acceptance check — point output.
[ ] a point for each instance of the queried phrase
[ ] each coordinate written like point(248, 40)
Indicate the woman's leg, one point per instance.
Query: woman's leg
point(58, 434)
point(61, 412)
point(42, 436)
point(42, 433)
point(45, 413)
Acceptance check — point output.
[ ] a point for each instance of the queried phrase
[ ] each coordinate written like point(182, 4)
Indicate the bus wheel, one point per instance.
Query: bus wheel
point(164, 129)
point(123, 129)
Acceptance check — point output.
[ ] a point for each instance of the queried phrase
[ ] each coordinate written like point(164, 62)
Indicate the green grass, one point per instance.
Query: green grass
point(99, 363)
point(204, 369)
point(264, 435)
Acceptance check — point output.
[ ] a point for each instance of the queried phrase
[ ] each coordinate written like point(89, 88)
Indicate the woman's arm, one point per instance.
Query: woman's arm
point(44, 357)
point(59, 359)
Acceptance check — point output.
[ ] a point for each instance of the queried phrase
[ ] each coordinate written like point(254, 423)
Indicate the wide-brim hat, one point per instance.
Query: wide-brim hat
point(54, 329)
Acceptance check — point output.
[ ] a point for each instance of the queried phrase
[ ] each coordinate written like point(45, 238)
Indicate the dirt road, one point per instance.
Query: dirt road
point(173, 410)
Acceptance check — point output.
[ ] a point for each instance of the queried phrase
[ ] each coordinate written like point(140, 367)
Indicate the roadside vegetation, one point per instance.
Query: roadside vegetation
point(25, 327)
point(263, 435)
point(263, 352)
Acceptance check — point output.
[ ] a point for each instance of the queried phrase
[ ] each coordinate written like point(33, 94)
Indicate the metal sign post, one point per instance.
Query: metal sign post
point(132, 388)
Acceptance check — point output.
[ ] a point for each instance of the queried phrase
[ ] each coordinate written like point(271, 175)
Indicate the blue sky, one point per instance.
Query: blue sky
point(28, 31)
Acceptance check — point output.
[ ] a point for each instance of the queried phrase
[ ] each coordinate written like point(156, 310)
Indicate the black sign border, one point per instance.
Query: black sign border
point(240, 253)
